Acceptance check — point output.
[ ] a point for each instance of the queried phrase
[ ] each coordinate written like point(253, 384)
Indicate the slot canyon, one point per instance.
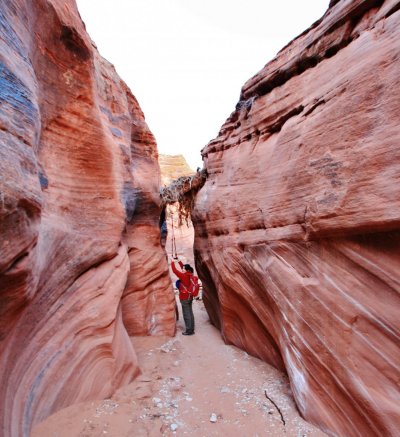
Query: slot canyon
point(295, 219)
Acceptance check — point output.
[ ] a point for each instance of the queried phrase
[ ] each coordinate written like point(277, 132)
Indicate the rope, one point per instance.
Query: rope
point(173, 241)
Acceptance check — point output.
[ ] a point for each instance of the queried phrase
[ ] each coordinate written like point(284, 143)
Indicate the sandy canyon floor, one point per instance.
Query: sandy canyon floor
point(186, 382)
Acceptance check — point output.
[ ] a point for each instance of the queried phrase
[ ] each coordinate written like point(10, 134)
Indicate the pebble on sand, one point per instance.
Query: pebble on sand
point(213, 418)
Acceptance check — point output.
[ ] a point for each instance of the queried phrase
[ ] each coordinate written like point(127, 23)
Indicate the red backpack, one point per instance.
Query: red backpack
point(194, 286)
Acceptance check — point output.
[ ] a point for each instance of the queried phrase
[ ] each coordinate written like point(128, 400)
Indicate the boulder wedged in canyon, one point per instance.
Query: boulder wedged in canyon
point(298, 225)
point(173, 167)
point(79, 212)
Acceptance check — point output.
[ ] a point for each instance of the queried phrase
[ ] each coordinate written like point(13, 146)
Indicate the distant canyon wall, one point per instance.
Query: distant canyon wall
point(173, 167)
point(298, 225)
point(81, 263)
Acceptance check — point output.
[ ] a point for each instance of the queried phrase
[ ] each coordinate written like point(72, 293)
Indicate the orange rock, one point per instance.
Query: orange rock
point(79, 205)
point(297, 226)
point(173, 167)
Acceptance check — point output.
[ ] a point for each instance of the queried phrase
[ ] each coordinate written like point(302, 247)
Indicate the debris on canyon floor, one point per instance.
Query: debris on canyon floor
point(190, 386)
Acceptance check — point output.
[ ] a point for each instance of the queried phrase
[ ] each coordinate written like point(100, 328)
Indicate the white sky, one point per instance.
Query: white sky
point(186, 60)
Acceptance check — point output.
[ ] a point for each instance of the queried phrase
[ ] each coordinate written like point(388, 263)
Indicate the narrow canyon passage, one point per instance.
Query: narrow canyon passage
point(296, 223)
point(184, 381)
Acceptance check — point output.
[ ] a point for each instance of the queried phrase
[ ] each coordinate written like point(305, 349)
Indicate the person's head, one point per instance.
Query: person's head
point(188, 268)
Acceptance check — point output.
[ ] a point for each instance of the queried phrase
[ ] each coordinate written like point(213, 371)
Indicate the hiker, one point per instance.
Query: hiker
point(184, 295)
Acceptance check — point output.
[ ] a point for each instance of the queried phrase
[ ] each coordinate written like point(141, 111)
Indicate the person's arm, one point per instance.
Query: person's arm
point(176, 271)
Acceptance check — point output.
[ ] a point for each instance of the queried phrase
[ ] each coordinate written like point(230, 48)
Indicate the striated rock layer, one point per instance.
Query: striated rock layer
point(79, 206)
point(173, 167)
point(298, 225)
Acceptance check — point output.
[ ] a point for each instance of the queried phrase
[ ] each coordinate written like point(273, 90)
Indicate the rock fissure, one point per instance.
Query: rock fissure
point(16, 262)
point(277, 126)
point(276, 406)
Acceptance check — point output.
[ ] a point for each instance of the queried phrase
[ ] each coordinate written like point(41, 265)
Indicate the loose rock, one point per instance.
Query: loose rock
point(213, 418)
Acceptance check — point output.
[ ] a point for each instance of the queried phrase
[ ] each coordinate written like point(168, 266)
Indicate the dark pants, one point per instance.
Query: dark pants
point(188, 316)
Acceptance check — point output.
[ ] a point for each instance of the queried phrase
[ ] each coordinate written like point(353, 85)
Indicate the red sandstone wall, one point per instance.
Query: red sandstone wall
point(298, 225)
point(79, 206)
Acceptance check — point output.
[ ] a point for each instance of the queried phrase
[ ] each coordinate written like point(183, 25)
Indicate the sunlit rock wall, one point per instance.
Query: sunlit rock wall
point(79, 207)
point(173, 167)
point(298, 225)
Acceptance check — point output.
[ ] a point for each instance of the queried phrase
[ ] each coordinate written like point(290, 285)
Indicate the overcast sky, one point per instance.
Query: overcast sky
point(186, 60)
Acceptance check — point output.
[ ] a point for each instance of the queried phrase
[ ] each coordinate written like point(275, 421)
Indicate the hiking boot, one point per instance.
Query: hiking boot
point(188, 333)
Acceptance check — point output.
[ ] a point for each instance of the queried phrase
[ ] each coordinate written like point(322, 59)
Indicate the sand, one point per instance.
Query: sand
point(185, 382)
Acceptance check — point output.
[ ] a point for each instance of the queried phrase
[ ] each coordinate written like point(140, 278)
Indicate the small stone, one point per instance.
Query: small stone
point(156, 401)
point(174, 426)
point(225, 390)
point(213, 418)
point(159, 405)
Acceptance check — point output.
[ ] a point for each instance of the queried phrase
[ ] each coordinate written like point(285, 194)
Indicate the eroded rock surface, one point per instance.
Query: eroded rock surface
point(79, 207)
point(298, 225)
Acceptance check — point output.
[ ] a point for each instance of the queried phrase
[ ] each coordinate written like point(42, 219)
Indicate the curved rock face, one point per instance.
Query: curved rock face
point(79, 205)
point(298, 225)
